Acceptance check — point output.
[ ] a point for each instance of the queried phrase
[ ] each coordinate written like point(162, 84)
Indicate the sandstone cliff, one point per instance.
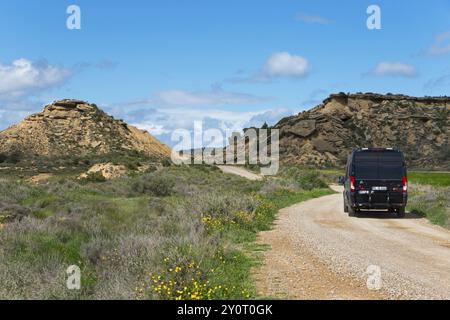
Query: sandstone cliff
point(325, 135)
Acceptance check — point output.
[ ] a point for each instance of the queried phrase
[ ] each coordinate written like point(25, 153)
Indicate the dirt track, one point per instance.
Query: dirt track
point(240, 172)
point(318, 252)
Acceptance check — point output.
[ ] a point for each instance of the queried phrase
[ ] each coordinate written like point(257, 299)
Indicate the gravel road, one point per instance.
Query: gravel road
point(318, 252)
point(240, 172)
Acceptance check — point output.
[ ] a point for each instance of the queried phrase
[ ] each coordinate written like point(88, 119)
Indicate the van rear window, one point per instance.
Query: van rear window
point(366, 171)
point(378, 171)
point(394, 172)
point(378, 165)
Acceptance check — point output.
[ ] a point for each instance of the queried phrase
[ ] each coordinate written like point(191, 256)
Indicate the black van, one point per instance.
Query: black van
point(375, 178)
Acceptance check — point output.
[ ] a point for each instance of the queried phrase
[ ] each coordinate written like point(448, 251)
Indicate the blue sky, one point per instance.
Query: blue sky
point(163, 64)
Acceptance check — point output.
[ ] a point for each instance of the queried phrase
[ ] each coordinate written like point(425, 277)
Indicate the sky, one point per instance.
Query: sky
point(161, 65)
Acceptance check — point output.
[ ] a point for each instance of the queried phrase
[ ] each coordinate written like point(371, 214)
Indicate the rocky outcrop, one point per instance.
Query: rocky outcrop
point(77, 128)
point(303, 129)
point(108, 171)
point(325, 135)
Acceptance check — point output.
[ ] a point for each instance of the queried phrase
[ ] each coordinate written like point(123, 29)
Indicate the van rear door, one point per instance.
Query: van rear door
point(378, 178)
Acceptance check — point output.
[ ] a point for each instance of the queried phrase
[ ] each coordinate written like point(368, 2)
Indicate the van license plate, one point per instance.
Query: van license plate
point(379, 188)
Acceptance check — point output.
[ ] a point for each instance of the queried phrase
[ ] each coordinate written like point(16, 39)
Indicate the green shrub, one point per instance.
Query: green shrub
point(11, 212)
point(306, 178)
point(13, 192)
point(95, 177)
point(3, 157)
point(311, 180)
point(13, 157)
point(154, 183)
point(166, 162)
point(431, 202)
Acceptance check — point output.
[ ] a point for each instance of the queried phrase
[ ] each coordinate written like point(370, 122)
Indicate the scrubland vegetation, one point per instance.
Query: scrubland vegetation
point(175, 233)
point(429, 196)
point(431, 202)
point(179, 232)
point(438, 179)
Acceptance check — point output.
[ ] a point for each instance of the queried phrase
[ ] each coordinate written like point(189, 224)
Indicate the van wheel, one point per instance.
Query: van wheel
point(352, 212)
point(401, 212)
point(345, 206)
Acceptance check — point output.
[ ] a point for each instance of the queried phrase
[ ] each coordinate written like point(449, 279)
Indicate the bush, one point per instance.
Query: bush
point(166, 162)
point(3, 157)
point(13, 192)
point(13, 158)
point(311, 180)
point(156, 184)
point(95, 177)
point(11, 212)
point(430, 202)
point(222, 204)
point(306, 178)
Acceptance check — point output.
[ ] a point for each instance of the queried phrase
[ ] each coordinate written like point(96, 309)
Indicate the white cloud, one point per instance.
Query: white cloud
point(279, 65)
point(271, 117)
point(216, 96)
point(283, 64)
point(23, 78)
point(10, 117)
point(313, 19)
point(152, 128)
point(178, 97)
point(164, 121)
point(394, 69)
point(179, 109)
point(14, 111)
point(441, 45)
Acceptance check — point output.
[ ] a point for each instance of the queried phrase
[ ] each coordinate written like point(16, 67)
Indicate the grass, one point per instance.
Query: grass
point(286, 198)
point(431, 202)
point(178, 233)
point(430, 178)
point(429, 196)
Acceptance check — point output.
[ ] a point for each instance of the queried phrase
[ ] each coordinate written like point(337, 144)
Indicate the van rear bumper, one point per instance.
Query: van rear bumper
point(378, 205)
point(369, 206)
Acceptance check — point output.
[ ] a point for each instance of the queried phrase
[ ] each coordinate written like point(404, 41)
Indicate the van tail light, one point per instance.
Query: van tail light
point(352, 184)
point(405, 184)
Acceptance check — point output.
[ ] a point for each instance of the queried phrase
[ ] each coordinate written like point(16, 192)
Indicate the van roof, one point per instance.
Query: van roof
point(376, 150)
point(378, 154)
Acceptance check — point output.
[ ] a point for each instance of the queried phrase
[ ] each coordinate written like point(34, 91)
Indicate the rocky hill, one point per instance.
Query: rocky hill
point(325, 135)
point(77, 128)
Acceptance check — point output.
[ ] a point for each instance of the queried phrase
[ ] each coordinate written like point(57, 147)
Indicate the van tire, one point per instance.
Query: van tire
point(352, 212)
point(345, 205)
point(401, 212)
